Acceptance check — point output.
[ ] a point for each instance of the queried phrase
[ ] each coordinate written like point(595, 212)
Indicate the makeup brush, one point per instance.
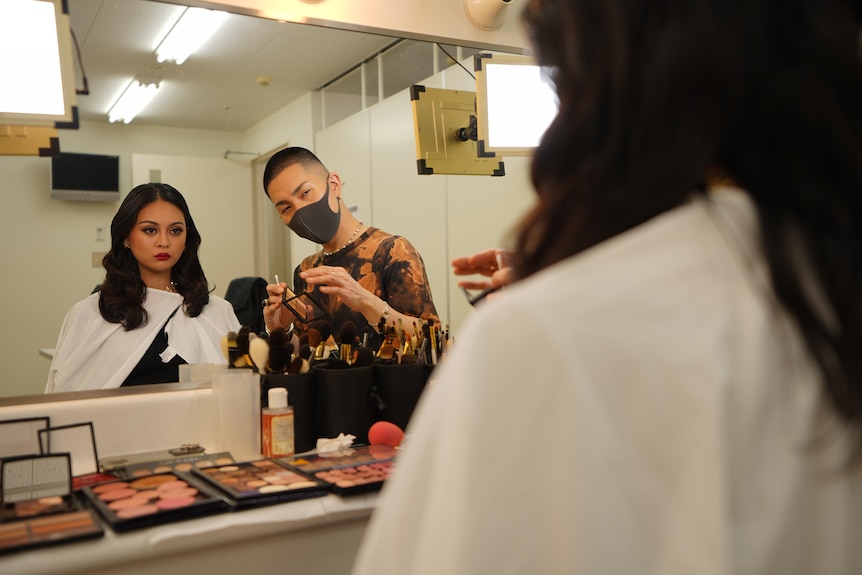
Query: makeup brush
point(362, 357)
point(298, 365)
point(277, 338)
point(323, 327)
point(242, 347)
point(258, 350)
point(294, 342)
point(347, 333)
point(314, 337)
point(279, 358)
point(228, 342)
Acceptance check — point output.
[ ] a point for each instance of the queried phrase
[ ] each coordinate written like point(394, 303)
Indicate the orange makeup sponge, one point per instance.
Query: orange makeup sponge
point(385, 433)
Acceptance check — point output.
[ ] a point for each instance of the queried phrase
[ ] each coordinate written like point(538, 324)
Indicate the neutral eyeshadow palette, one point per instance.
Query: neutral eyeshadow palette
point(38, 506)
point(128, 470)
point(36, 485)
point(49, 530)
point(262, 482)
point(152, 500)
point(358, 470)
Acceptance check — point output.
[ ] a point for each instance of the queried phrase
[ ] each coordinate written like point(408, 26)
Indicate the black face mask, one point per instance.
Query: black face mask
point(316, 222)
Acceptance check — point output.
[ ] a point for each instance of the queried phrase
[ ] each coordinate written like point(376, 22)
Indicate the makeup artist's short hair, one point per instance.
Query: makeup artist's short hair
point(287, 157)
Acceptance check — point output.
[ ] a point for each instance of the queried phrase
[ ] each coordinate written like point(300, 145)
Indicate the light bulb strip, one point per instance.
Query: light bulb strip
point(134, 98)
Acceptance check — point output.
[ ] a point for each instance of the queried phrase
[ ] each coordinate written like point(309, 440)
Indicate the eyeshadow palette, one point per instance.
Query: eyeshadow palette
point(124, 469)
point(36, 485)
point(50, 530)
point(152, 500)
point(38, 506)
point(262, 482)
point(358, 470)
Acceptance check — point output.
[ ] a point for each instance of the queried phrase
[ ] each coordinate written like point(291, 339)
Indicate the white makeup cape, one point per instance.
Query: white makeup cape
point(642, 408)
point(95, 354)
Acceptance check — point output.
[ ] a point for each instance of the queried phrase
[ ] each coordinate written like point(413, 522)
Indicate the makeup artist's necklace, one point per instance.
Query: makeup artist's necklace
point(349, 241)
point(171, 287)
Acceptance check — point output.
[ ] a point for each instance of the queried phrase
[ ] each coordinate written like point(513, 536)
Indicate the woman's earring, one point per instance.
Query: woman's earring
point(126, 245)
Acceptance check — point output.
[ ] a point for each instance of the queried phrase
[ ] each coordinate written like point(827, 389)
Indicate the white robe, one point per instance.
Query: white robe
point(95, 354)
point(641, 408)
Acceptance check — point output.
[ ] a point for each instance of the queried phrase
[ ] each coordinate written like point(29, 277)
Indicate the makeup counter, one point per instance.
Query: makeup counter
point(307, 536)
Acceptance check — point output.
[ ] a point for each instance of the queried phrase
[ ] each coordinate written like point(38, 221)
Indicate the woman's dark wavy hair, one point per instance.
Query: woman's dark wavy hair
point(654, 96)
point(123, 291)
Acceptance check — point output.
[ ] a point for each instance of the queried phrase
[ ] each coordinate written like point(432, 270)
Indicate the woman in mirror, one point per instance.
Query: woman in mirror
point(154, 310)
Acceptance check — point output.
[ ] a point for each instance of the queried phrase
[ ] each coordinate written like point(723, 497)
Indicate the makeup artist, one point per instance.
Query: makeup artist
point(154, 310)
point(361, 274)
point(690, 282)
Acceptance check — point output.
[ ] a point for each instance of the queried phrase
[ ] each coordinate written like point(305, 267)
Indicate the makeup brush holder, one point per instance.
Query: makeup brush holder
point(400, 387)
point(301, 397)
point(345, 401)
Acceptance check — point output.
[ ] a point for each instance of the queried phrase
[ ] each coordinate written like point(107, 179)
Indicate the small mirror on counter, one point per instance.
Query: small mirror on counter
point(21, 436)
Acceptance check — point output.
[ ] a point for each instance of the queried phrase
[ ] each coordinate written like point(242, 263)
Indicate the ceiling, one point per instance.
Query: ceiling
point(217, 87)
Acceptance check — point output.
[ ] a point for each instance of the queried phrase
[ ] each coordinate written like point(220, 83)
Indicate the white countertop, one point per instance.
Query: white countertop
point(319, 535)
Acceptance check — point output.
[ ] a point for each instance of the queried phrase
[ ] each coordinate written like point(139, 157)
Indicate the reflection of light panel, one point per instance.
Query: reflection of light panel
point(521, 105)
point(193, 28)
point(133, 99)
point(438, 115)
point(515, 104)
point(36, 63)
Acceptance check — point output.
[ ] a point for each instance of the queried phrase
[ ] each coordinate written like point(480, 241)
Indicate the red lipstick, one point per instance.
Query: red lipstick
point(163, 256)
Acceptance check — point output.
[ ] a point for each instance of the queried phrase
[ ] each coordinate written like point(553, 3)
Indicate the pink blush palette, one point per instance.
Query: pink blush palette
point(359, 470)
point(262, 482)
point(152, 500)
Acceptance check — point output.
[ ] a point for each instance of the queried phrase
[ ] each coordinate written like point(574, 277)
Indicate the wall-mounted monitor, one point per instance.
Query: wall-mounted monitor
point(439, 119)
point(37, 65)
point(515, 104)
point(85, 177)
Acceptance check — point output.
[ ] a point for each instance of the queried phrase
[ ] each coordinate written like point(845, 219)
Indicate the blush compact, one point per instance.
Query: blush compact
point(356, 470)
point(152, 500)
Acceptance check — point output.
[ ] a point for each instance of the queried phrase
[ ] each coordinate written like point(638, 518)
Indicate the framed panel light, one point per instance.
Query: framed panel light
point(515, 104)
point(131, 101)
point(189, 32)
point(36, 64)
point(439, 119)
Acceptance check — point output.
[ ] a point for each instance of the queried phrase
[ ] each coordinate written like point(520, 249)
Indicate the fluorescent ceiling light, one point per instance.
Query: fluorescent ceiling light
point(133, 99)
point(192, 29)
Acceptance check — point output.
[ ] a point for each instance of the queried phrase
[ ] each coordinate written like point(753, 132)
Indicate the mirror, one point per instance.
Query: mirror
point(46, 286)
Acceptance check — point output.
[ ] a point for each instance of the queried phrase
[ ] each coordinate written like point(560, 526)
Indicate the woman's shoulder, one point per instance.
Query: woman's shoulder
point(218, 303)
point(86, 305)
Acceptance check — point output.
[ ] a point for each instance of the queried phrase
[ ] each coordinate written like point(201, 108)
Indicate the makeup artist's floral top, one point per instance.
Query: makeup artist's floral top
point(388, 266)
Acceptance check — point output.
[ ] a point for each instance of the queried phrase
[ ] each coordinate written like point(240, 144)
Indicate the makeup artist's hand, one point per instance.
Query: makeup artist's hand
point(276, 315)
point(493, 263)
point(335, 281)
